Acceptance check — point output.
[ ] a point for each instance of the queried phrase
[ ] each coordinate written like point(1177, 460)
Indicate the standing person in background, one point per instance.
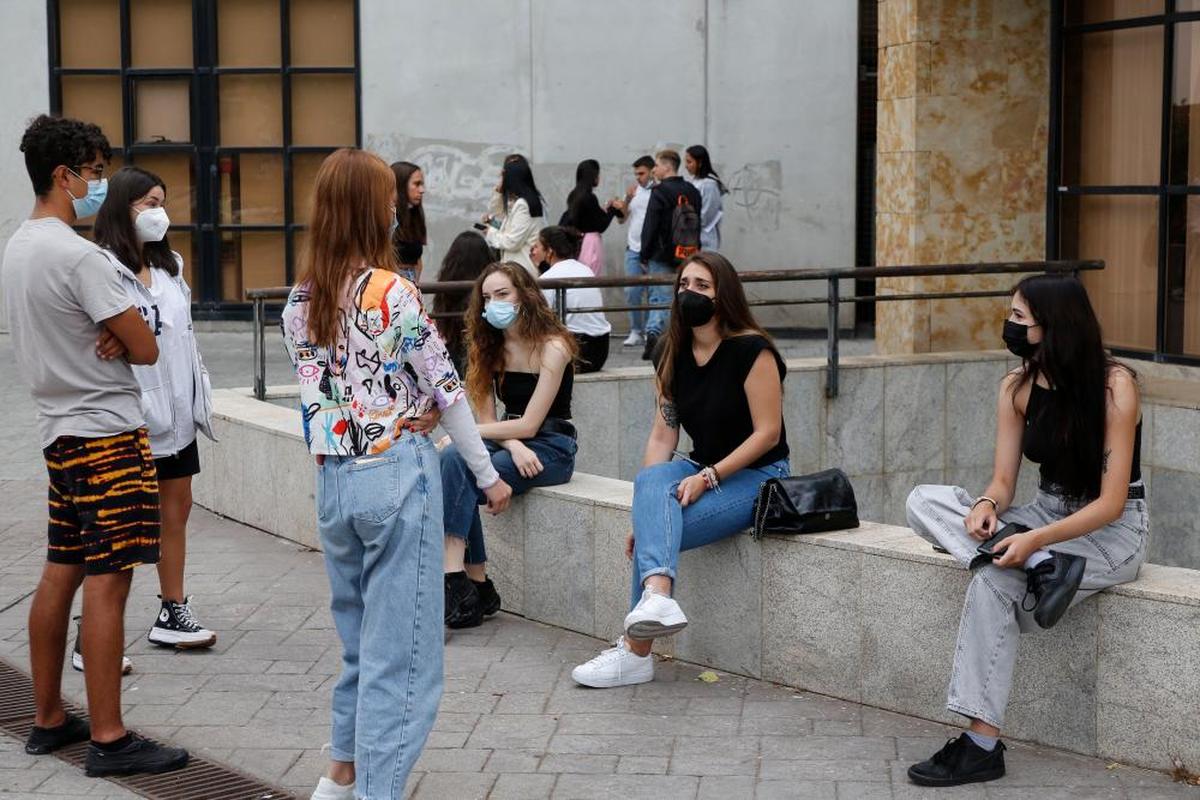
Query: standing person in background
point(633, 211)
point(515, 214)
point(176, 393)
point(585, 215)
point(466, 259)
point(658, 254)
point(555, 253)
point(379, 498)
point(75, 334)
point(409, 237)
point(705, 178)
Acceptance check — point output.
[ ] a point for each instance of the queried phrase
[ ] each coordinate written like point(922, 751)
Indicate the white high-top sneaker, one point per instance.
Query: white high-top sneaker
point(655, 615)
point(634, 339)
point(329, 790)
point(617, 666)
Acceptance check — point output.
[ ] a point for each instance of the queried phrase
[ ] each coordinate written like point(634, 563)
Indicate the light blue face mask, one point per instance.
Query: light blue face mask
point(90, 203)
point(500, 314)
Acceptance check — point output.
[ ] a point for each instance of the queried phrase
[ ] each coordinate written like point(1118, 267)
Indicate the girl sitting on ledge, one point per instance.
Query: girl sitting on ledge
point(519, 351)
point(1074, 410)
point(720, 378)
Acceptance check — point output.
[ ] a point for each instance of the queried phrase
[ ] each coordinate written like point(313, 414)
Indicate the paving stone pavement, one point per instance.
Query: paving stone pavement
point(512, 724)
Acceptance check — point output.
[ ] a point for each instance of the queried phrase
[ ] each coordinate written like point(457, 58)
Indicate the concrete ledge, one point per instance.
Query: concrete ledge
point(868, 615)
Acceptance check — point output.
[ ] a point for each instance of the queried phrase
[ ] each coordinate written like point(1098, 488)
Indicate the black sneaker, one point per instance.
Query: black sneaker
point(77, 654)
point(140, 755)
point(1053, 584)
point(960, 761)
point(462, 602)
point(651, 343)
point(489, 598)
point(177, 627)
point(46, 740)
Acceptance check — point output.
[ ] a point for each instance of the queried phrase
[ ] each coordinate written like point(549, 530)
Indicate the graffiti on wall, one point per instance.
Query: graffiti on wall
point(754, 197)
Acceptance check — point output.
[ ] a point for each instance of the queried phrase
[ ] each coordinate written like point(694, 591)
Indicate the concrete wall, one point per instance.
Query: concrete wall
point(768, 85)
point(24, 93)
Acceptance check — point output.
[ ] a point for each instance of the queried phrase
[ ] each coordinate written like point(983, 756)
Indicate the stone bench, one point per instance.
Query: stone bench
point(869, 615)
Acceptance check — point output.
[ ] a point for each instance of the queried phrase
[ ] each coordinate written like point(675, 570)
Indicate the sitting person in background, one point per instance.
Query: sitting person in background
point(555, 253)
point(1074, 410)
point(521, 353)
point(466, 259)
point(720, 378)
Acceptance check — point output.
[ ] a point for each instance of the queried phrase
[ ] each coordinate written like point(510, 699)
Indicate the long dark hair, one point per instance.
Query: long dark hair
point(562, 240)
point(467, 257)
point(411, 218)
point(536, 324)
point(114, 229)
point(733, 316)
point(587, 174)
point(704, 167)
point(1072, 357)
point(516, 180)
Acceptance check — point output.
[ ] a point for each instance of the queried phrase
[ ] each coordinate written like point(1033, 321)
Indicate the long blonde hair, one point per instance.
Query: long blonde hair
point(536, 323)
point(351, 213)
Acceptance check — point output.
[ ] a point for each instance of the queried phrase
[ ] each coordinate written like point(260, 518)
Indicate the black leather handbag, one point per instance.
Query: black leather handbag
point(823, 501)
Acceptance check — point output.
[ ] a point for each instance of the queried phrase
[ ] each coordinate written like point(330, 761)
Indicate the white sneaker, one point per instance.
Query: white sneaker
point(655, 615)
point(634, 339)
point(617, 666)
point(77, 663)
point(328, 790)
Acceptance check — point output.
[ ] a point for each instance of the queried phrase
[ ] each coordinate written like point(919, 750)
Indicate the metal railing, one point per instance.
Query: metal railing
point(833, 298)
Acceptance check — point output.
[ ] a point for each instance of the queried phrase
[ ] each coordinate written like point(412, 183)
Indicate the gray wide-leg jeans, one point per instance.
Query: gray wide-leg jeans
point(992, 617)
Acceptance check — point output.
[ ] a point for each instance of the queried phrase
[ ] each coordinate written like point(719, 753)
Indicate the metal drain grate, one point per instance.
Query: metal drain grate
point(199, 780)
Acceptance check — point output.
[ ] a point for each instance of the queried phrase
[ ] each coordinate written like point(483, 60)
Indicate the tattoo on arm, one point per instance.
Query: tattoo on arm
point(1104, 461)
point(670, 415)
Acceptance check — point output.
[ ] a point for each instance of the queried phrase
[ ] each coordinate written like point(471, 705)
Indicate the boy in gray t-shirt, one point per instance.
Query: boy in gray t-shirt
point(75, 334)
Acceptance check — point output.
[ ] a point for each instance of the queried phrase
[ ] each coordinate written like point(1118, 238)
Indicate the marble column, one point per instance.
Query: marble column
point(961, 175)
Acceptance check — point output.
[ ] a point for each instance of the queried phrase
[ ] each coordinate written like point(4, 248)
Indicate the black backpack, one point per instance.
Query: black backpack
point(685, 229)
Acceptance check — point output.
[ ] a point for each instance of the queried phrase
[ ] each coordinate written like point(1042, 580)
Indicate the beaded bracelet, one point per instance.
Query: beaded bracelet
point(710, 478)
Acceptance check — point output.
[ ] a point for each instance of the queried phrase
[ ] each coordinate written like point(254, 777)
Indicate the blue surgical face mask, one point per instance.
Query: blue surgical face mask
point(500, 314)
point(90, 203)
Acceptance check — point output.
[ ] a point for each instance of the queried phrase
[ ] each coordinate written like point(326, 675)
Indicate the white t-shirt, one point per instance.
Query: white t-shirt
point(593, 323)
point(637, 216)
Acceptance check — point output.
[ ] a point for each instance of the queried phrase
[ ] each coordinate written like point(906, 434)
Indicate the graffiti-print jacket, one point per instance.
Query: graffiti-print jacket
point(389, 366)
point(176, 391)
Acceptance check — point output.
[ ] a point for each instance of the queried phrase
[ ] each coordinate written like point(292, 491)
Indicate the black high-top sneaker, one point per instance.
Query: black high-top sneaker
point(462, 602)
point(77, 654)
point(1053, 584)
point(177, 627)
point(960, 761)
point(489, 598)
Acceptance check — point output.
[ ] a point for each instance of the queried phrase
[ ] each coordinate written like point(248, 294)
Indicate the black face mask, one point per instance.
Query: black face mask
point(695, 309)
point(542, 267)
point(1016, 338)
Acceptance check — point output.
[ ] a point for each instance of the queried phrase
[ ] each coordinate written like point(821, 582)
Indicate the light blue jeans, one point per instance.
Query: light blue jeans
point(635, 295)
point(656, 323)
point(662, 528)
point(380, 522)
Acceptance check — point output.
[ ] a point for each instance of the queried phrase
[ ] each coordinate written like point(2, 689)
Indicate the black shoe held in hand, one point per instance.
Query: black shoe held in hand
point(1053, 584)
point(960, 761)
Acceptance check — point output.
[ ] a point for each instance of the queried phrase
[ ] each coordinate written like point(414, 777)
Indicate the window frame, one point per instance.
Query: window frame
point(1169, 317)
point(205, 149)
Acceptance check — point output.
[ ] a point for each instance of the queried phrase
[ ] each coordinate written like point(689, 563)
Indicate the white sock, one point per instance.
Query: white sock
point(1037, 557)
point(985, 742)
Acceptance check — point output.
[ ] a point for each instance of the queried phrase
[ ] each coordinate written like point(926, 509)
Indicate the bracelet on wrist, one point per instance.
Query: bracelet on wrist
point(984, 498)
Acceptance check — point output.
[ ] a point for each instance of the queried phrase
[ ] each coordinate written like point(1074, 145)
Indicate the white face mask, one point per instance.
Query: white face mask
point(151, 225)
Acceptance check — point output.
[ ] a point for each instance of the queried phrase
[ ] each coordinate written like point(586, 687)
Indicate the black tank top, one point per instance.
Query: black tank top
point(516, 388)
point(1040, 444)
point(711, 400)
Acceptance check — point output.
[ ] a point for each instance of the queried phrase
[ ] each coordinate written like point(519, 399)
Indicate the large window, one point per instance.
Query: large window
point(233, 103)
point(1125, 166)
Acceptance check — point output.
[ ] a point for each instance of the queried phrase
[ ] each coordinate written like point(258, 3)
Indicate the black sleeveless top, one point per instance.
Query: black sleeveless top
point(711, 400)
point(516, 388)
point(1040, 445)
